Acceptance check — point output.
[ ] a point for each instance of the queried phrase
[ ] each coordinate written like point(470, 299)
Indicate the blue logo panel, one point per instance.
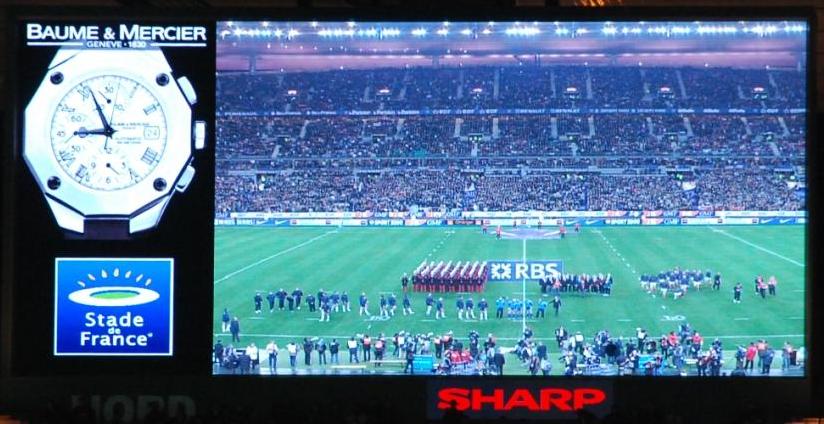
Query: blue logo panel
point(113, 306)
point(512, 271)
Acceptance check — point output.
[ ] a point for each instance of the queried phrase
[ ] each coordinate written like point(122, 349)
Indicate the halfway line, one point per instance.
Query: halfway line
point(269, 258)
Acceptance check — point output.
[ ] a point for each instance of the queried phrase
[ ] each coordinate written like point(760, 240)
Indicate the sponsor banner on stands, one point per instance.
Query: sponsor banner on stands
point(763, 214)
point(739, 221)
point(508, 219)
point(701, 221)
point(544, 111)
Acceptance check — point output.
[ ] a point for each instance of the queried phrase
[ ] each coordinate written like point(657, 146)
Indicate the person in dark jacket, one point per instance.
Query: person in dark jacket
point(218, 350)
point(307, 351)
point(499, 361)
point(234, 328)
point(334, 347)
point(766, 363)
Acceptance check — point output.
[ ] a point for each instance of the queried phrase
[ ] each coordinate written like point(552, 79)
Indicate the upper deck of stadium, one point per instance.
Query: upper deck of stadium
point(319, 46)
point(335, 66)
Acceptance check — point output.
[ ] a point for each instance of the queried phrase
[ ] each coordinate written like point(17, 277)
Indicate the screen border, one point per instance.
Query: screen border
point(11, 151)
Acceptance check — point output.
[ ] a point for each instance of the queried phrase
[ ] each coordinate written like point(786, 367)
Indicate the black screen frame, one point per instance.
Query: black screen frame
point(14, 333)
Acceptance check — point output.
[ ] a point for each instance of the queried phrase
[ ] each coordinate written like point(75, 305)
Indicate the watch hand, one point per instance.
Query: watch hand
point(100, 113)
point(84, 132)
point(108, 165)
point(108, 100)
point(111, 115)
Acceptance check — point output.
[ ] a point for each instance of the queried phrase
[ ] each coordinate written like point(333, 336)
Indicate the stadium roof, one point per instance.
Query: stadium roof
point(329, 45)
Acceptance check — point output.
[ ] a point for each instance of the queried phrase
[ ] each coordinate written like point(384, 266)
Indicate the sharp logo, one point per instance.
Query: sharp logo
point(530, 270)
point(502, 400)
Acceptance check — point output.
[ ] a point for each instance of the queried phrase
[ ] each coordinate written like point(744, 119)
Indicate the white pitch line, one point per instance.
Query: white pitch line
point(523, 289)
point(325, 336)
point(761, 248)
point(270, 257)
point(624, 320)
point(795, 318)
point(741, 319)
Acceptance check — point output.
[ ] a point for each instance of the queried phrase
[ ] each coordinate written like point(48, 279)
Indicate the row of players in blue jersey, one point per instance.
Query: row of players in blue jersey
point(293, 300)
point(517, 308)
point(335, 302)
point(387, 304)
point(325, 302)
point(577, 283)
point(465, 308)
point(680, 279)
point(513, 307)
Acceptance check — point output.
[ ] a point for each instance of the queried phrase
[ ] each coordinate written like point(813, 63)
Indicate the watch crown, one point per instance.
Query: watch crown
point(185, 179)
point(187, 89)
point(200, 134)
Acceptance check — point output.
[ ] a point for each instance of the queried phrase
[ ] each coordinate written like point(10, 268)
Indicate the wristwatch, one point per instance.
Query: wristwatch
point(109, 138)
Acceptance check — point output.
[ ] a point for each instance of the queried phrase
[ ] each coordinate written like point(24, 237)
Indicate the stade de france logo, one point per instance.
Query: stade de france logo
point(501, 271)
point(125, 292)
point(113, 306)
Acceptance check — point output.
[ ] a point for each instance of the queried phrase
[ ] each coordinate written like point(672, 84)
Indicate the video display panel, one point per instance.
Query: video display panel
point(510, 198)
point(110, 193)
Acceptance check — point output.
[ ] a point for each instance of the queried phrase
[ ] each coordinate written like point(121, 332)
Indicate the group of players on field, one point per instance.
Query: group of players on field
point(448, 277)
point(677, 282)
point(327, 303)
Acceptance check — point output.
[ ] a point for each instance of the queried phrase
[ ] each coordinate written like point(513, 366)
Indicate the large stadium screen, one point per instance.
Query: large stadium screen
point(511, 198)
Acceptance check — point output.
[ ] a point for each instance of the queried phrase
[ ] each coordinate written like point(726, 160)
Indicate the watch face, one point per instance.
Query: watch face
point(108, 132)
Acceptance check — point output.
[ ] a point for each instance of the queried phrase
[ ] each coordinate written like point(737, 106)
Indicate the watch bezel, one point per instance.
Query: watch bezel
point(76, 67)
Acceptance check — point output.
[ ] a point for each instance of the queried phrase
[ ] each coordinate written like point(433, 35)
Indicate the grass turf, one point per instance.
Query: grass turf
point(372, 260)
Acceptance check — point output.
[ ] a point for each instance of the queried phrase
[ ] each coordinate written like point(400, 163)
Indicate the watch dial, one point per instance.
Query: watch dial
point(109, 132)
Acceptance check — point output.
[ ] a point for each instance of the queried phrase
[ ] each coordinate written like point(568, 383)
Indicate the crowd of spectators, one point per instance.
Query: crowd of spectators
point(637, 193)
point(711, 86)
point(682, 351)
point(741, 189)
point(563, 161)
point(514, 90)
point(341, 189)
point(517, 135)
point(519, 87)
point(523, 135)
point(254, 136)
point(573, 124)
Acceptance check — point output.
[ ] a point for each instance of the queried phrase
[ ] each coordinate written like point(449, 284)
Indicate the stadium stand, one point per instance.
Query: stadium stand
point(332, 160)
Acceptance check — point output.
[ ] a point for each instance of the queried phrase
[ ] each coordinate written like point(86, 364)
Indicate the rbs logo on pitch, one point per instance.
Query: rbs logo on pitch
point(113, 306)
point(529, 270)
